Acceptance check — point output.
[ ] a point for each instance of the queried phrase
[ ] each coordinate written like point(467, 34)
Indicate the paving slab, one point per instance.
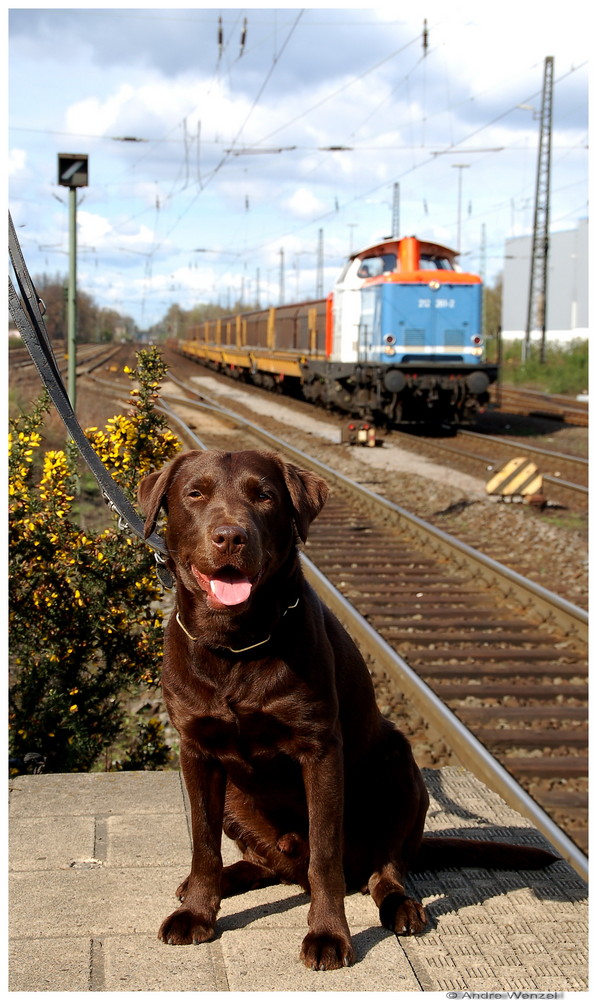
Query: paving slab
point(62, 964)
point(95, 860)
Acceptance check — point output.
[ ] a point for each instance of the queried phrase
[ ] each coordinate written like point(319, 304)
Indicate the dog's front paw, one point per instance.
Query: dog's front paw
point(185, 927)
point(323, 952)
point(402, 914)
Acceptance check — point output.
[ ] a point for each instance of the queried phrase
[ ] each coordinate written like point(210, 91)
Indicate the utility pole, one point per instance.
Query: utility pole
point(319, 289)
point(482, 270)
point(483, 252)
point(73, 173)
point(396, 212)
point(71, 309)
point(537, 304)
point(460, 167)
point(351, 226)
point(281, 276)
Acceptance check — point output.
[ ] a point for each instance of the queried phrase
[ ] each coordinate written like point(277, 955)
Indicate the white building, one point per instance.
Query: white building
point(567, 286)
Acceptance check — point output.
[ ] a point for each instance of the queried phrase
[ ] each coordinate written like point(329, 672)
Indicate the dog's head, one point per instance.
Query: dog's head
point(233, 518)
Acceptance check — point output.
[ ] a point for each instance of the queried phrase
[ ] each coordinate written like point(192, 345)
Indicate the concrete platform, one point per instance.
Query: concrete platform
point(95, 860)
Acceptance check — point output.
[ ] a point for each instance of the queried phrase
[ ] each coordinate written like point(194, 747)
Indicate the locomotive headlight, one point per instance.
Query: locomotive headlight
point(434, 285)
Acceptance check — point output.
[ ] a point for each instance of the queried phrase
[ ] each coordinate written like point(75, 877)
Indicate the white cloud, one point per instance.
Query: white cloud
point(98, 232)
point(17, 161)
point(304, 204)
point(93, 115)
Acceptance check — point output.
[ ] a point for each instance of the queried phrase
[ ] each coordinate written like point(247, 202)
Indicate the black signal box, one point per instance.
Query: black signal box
point(73, 169)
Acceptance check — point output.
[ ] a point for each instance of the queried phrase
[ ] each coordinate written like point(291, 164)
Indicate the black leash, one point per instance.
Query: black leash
point(28, 317)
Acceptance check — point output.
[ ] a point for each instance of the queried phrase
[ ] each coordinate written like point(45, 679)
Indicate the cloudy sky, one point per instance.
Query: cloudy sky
point(213, 135)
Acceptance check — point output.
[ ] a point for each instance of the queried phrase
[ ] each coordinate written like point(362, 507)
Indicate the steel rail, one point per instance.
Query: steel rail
point(546, 397)
point(480, 436)
point(469, 750)
point(186, 430)
point(512, 584)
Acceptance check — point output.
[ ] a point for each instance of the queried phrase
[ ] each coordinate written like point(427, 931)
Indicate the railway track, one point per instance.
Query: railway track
point(89, 357)
point(519, 684)
point(522, 539)
point(565, 477)
point(506, 657)
point(534, 403)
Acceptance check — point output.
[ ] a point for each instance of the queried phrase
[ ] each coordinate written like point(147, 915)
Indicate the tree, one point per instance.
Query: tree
point(94, 324)
point(53, 292)
point(492, 302)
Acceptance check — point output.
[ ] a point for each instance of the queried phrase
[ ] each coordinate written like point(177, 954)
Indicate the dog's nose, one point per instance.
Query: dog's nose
point(229, 538)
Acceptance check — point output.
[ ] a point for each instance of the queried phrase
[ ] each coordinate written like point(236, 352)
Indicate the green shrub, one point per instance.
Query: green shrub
point(565, 370)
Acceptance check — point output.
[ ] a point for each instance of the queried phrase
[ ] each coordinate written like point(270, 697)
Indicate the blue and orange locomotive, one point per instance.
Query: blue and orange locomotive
point(399, 339)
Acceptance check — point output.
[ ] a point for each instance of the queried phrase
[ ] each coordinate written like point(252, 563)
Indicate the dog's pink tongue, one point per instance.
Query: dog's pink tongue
point(230, 592)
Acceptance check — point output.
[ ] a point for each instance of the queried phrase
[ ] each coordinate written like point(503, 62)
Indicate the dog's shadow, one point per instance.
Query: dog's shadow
point(459, 887)
point(364, 939)
point(244, 917)
point(448, 890)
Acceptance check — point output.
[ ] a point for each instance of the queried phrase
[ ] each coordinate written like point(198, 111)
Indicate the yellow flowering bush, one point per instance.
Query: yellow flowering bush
point(85, 626)
point(133, 446)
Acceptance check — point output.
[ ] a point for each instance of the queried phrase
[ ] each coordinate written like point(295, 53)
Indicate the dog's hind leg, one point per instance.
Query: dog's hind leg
point(271, 850)
point(397, 911)
point(242, 876)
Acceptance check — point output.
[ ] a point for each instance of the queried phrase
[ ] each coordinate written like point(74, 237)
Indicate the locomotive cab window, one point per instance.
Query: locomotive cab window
point(433, 262)
point(373, 267)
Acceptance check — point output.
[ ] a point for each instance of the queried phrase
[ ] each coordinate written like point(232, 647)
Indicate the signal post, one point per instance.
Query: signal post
point(73, 173)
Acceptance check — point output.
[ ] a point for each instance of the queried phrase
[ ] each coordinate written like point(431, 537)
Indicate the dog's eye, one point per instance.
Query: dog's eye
point(264, 495)
point(195, 495)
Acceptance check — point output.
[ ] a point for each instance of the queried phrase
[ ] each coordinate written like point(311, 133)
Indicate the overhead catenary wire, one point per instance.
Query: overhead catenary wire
point(453, 148)
point(190, 136)
point(361, 194)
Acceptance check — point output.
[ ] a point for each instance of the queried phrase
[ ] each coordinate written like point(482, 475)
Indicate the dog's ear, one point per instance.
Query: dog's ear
point(308, 493)
point(152, 491)
point(151, 494)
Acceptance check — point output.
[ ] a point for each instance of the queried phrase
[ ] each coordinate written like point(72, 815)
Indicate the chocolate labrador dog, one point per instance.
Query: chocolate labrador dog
point(282, 745)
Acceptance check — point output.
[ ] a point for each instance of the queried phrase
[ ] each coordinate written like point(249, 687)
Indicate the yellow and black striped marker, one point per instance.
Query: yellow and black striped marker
point(518, 477)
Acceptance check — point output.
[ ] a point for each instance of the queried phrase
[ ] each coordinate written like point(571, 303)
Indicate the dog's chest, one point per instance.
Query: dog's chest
point(231, 728)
